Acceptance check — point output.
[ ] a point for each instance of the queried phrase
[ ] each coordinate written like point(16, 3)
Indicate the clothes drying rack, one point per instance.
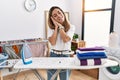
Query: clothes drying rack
point(10, 63)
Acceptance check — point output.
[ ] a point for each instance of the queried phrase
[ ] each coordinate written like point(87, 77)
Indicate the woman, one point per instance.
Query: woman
point(60, 35)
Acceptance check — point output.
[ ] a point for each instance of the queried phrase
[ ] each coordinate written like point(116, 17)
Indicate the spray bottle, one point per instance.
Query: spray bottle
point(113, 40)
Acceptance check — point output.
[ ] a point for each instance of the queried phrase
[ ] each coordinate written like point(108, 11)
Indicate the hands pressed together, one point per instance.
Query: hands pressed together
point(57, 25)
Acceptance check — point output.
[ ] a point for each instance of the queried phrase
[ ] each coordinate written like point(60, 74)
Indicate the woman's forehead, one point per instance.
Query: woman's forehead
point(56, 11)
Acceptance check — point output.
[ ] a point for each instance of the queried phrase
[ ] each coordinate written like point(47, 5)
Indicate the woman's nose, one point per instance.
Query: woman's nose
point(58, 15)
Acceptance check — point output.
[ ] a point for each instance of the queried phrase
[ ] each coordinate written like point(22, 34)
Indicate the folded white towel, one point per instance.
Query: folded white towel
point(78, 51)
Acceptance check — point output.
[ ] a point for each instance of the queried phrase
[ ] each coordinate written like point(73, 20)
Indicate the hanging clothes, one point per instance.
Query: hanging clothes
point(15, 47)
point(0, 49)
point(10, 51)
point(38, 50)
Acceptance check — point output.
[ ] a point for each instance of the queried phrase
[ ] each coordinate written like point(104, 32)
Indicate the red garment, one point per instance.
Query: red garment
point(0, 49)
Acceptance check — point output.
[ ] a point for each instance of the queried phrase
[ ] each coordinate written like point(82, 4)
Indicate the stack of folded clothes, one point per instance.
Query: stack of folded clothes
point(90, 56)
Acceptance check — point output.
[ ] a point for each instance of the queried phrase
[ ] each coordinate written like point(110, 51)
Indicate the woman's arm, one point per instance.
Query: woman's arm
point(67, 36)
point(53, 38)
point(63, 35)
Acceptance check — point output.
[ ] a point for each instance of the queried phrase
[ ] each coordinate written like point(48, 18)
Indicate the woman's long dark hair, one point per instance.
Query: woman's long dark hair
point(66, 24)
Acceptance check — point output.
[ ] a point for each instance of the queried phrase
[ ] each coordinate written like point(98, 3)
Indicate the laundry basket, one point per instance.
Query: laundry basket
point(3, 57)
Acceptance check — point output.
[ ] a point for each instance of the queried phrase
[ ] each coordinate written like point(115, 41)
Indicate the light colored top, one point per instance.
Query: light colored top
point(58, 63)
point(60, 45)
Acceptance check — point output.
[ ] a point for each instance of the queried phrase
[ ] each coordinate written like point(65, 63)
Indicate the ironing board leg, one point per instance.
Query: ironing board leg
point(55, 74)
point(67, 77)
point(14, 78)
point(38, 74)
point(1, 78)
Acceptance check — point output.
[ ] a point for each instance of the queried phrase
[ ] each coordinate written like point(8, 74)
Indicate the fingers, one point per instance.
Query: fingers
point(55, 22)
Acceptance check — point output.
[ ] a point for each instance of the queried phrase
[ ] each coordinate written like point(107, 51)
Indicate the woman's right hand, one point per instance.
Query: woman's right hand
point(55, 22)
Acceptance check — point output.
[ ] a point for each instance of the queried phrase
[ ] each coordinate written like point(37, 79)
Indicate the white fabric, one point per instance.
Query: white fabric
point(60, 45)
point(80, 52)
point(65, 52)
point(113, 53)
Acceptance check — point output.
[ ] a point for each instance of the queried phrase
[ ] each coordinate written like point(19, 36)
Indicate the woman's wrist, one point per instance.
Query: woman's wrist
point(61, 27)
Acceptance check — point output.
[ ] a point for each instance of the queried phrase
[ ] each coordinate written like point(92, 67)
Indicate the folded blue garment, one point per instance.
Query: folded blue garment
point(91, 49)
point(91, 55)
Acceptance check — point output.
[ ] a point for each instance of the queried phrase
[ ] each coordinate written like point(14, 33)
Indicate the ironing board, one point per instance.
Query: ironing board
point(58, 63)
point(8, 64)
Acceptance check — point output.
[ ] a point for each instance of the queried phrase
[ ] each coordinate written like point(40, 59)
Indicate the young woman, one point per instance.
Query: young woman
point(60, 35)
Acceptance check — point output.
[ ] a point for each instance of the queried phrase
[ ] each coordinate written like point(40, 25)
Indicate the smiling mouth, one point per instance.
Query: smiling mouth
point(59, 19)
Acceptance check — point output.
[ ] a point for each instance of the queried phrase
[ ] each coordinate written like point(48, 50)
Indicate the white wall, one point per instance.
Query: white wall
point(17, 23)
point(76, 14)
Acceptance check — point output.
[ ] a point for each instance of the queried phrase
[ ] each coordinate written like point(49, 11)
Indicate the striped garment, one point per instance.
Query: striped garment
point(89, 62)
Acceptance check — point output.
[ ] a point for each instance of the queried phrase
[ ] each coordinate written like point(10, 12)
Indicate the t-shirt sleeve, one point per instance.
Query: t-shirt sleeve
point(71, 31)
point(49, 32)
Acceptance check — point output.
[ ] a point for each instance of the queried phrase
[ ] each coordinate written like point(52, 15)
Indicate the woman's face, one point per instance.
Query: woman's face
point(58, 16)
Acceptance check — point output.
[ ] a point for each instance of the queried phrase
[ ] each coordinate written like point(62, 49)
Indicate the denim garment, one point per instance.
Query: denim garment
point(64, 74)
